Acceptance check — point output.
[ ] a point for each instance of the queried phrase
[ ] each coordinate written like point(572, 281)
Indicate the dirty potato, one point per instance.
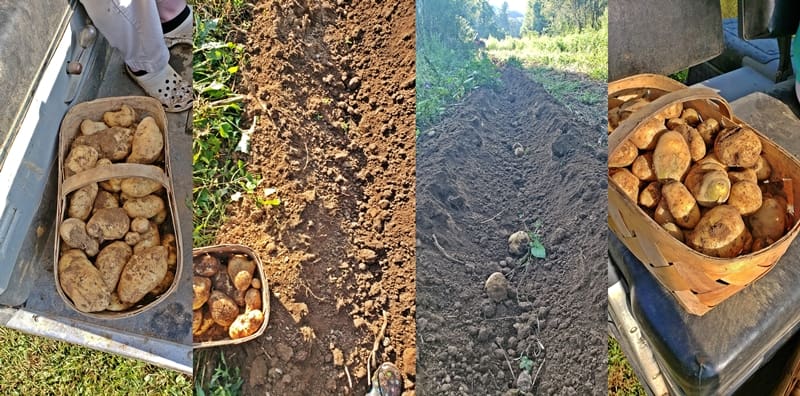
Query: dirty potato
point(201, 288)
point(73, 232)
point(626, 181)
point(623, 156)
point(671, 157)
point(709, 184)
point(138, 187)
point(206, 265)
point(143, 272)
point(108, 224)
point(111, 260)
point(80, 158)
point(113, 143)
point(81, 201)
point(738, 147)
point(746, 197)
point(240, 271)
point(84, 285)
point(769, 222)
point(223, 309)
point(720, 233)
point(148, 142)
point(124, 117)
point(681, 204)
point(246, 324)
point(642, 167)
point(650, 195)
point(147, 206)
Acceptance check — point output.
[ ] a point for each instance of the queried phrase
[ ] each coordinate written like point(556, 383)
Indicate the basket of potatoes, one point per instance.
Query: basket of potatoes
point(118, 247)
point(230, 296)
point(700, 197)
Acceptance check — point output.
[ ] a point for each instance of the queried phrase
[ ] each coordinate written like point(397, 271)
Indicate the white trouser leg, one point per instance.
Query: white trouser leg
point(133, 27)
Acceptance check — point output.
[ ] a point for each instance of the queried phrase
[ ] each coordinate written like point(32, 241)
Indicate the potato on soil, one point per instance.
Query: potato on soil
point(147, 206)
point(205, 265)
point(497, 287)
point(646, 134)
point(164, 284)
point(124, 117)
point(518, 243)
point(674, 230)
point(624, 155)
point(661, 214)
point(138, 187)
point(738, 147)
point(81, 201)
point(625, 180)
point(81, 158)
point(240, 271)
point(769, 222)
point(708, 130)
point(671, 157)
point(111, 260)
point(108, 224)
point(89, 127)
point(201, 287)
point(73, 232)
point(223, 309)
point(642, 167)
point(148, 142)
point(112, 143)
point(246, 324)
point(650, 195)
point(84, 285)
point(252, 299)
point(709, 184)
point(748, 175)
point(762, 168)
point(720, 233)
point(143, 272)
point(681, 204)
point(746, 197)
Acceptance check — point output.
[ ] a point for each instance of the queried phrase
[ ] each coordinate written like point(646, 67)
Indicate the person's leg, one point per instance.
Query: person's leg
point(177, 21)
point(134, 29)
point(169, 9)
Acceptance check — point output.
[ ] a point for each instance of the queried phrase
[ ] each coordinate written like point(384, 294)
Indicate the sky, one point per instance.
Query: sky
point(515, 5)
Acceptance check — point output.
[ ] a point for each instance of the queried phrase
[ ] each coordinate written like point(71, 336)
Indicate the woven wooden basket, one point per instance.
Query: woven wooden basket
point(230, 250)
point(698, 281)
point(70, 128)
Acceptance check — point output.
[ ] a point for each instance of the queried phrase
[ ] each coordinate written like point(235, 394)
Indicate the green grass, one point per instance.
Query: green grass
point(219, 175)
point(446, 74)
point(622, 380)
point(730, 8)
point(39, 366)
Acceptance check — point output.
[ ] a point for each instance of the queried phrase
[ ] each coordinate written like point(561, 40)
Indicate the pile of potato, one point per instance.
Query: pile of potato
point(227, 300)
point(117, 247)
point(706, 184)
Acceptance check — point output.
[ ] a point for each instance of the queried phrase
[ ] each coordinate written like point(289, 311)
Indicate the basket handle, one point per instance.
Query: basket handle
point(113, 171)
point(627, 127)
point(654, 81)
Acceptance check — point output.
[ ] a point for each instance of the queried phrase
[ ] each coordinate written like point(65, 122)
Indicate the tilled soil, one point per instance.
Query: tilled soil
point(473, 192)
point(332, 84)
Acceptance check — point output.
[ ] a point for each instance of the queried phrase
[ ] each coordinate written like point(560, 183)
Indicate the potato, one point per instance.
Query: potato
point(661, 214)
point(89, 127)
point(623, 156)
point(105, 200)
point(116, 305)
point(720, 233)
point(138, 187)
point(709, 184)
point(84, 285)
point(111, 260)
point(140, 225)
point(671, 157)
point(108, 224)
point(681, 204)
point(646, 134)
point(80, 158)
point(148, 142)
point(168, 241)
point(762, 168)
point(81, 201)
point(160, 217)
point(149, 239)
point(206, 323)
point(164, 284)
point(223, 283)
point(240, 271)
point(738, 147)
point(746, 197)
point(256, 283)
point(627, 182)
point(201, 287)
point(650, 195)
point(708, 129)
point(124, 117)
point(675, 123)
point(246, 324)
point(691, 116)
point(710, 158)
point(697, 147)
point(113, 143)
point(674, 230)
point(223, 309)
point(769, 221)
point(73, 232)
point(673, 111)
point(642, 167)
point(747, 174)
point(206, 265)
point(132, 238)
point(197, 320)
point(147, 206)
point(252, 299)
point(143, 272)
point(68, 256)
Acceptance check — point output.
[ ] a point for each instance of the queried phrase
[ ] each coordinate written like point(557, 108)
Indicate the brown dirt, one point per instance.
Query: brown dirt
point(473, 192)
point(333, 86)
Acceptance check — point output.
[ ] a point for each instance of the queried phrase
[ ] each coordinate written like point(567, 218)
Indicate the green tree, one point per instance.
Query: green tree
point(503, 22)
